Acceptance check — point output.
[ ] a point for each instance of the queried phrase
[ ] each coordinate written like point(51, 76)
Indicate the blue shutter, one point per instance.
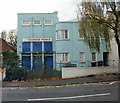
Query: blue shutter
point(37, 46)
point(26, 46)
point(26, 62)
point(48, 46)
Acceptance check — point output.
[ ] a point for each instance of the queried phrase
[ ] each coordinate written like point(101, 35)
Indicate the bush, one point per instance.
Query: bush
point(23, 74)
point(42, 74)
point(69, 65)
point(15, 74)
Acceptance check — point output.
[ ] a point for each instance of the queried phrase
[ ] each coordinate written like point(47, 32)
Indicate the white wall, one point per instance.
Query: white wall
point(4, 75)
point(85, 71)
point(113, 55)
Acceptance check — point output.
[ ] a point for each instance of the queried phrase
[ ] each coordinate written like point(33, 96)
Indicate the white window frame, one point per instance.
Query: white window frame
point(62, 36)
point(36, 24)
point(48, 24)
point(24, 23)
point(82, 57)
point(95, 57)
point(79, 35)
point(62, 57)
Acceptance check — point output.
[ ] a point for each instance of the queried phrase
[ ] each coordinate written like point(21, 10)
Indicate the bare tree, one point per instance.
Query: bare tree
point(3, 34)
point(12, 37)
point(99, 20)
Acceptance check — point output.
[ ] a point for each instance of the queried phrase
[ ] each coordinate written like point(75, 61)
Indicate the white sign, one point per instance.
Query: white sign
point(37, 39)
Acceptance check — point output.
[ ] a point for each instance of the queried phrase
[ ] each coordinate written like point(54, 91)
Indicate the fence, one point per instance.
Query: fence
point(113, 63)
point(14, 71)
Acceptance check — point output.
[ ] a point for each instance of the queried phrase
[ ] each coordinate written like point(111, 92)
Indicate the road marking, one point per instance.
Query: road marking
point(112, 83)
point(42, 99)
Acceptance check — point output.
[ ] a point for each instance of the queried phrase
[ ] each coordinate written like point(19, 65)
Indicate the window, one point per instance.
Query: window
point(37, 22)
point(80, 35)
point(62, 57)
point(26, 22)
point(62, 35)
point(48, 22)
point(93, 57)
point(82, 57)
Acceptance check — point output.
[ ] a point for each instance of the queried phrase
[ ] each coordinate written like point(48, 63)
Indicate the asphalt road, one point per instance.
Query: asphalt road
point(84, 92)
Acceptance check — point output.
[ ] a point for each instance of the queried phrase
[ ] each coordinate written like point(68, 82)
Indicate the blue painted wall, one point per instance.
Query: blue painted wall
point(74, 45)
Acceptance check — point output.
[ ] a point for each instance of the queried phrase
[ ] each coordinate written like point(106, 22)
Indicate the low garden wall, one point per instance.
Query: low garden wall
point(71, 72)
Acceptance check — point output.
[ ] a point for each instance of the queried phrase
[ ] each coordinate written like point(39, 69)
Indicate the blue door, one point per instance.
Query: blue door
point(48, 62)
point(26, 62)
point(37, 62)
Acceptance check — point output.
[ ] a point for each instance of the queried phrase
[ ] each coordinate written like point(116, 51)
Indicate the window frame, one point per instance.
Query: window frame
point(83, 57)
point(62, 36)
point(95, 57)
point(79, 35)
point(62, 57)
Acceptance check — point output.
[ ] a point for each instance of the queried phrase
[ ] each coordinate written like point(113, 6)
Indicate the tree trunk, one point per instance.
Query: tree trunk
point(117, 36)
point(118, 44)
point(118, 51)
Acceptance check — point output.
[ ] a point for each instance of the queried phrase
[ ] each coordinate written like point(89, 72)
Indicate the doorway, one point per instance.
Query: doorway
point(105, 58)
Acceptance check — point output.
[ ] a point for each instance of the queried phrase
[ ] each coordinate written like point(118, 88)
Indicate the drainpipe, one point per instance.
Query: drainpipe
point(43, 45)
point(31, 44)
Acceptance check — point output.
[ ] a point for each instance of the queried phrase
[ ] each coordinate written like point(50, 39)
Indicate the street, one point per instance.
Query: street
point(84, 92)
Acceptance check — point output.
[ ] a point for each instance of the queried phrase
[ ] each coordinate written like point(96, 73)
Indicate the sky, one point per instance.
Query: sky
point(9, 9)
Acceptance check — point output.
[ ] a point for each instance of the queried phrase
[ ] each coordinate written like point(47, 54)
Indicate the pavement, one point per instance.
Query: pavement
point(63, 82)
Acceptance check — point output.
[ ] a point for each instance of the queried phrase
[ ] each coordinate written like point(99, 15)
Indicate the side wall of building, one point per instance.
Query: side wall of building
point(75, 45)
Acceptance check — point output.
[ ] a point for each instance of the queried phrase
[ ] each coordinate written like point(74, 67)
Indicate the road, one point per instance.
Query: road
point(84, 92)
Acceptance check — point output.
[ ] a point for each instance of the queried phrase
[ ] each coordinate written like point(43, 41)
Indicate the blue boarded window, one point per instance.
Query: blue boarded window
point(37, 46)
point(48, 62)
point(26, 46)
point(37, 62)
point(26, 62)
point(48, 46)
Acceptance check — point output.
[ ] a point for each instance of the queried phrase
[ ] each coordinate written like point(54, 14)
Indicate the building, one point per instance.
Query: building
point(44, 42)
point(114, 54)
point(5, 46)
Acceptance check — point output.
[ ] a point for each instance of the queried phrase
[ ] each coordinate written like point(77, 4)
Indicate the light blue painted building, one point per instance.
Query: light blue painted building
point(44, 42)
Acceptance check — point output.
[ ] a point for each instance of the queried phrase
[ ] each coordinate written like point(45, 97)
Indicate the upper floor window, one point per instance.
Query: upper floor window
point(26, 22)
point(48, 22)
point(80, 35)
point(36, 22)
point(62, 57)
point(62, 34)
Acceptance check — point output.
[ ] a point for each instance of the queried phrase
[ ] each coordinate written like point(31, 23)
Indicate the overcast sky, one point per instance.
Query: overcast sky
point(9, 9)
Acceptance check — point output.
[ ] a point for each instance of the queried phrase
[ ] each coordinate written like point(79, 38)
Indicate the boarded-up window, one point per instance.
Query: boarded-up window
point(37, 22)
point(48, 22)
point(26, 22)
